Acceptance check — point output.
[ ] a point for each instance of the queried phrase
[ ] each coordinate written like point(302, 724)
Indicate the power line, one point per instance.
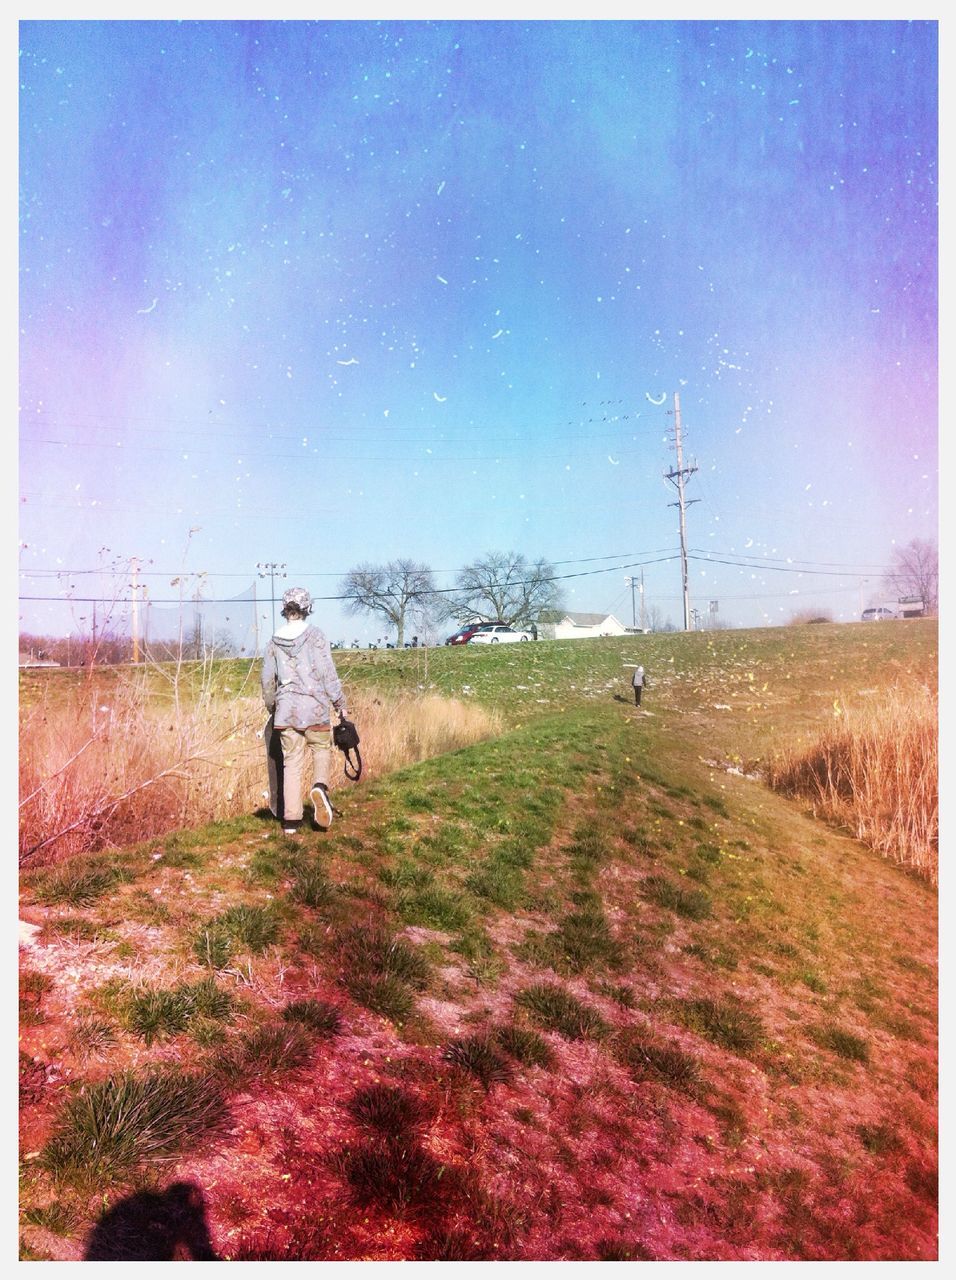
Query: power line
point(158, 573)
point(436, 591)
point(188, 452)
point(259, 429)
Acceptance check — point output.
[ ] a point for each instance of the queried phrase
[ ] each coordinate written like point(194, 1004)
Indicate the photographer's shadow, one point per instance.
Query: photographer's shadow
point(154, 1226)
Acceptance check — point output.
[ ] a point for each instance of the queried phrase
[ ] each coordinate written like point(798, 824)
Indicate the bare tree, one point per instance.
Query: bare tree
point(394, 591)
point(915, 572)
point(504, 587)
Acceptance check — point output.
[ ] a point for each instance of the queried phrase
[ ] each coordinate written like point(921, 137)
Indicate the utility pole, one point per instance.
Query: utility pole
point(639, 584)
point(676, 478)
point(269, 569)
point(135, 592)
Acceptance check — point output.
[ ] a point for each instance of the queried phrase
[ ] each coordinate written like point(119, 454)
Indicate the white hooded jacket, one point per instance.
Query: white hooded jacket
point(299, 679)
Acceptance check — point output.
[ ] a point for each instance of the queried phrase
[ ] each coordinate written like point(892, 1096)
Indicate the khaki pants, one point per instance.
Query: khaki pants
point(295, 742)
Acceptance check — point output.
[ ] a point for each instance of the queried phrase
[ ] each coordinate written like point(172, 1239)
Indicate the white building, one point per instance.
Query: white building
point(554, 625)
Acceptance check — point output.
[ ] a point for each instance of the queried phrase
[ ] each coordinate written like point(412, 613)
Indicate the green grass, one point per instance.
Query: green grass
point(91, 1036)
point(649, 1058)
point(478, 1055)
point(80, 881)
point(158, 1012)
point(129, 1122)
point(373, 951)
point(524, 1045)
point(33, 987)
point(312, 887)
point(693, 904)
point(317, 1015)
point(580, 842)
point(845, 1044)
point(387, 1110)
point(725, 1021)
point(556, 1009)
point(270, 1052)
point(240, 928)
point(384, 994)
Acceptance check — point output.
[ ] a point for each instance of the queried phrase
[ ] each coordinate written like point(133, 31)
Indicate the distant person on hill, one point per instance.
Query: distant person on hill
point(637, 680)
point(299, 681)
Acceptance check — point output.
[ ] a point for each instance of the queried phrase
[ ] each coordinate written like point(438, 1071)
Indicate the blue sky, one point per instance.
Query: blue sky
point(325, 292)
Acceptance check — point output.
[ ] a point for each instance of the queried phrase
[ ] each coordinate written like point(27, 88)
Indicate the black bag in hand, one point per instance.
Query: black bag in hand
point(346, 738)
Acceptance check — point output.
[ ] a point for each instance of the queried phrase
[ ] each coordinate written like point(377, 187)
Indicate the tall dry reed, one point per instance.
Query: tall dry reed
point(102, 768)
point(875, 772)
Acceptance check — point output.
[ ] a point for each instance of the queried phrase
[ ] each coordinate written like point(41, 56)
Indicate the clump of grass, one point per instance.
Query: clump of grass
point(525, 1045)
point(241, 927)
point(623, 1251)
point(167, 1011)
point(114, 1127)
point(76, 927)
point(312, 887)
point(213, 946)
point(60, 1218)
point(693, 904)
point(433, 906)
point(156, 1013)
point(842, 1042)
point(454, 1245)
point(253, 928)
point(373, 951)
point(621, 993)
point(78, 882)
point(875, 771)
point(879, 1139)
point(587, 942)
point(383, 994)
point(478, 1055)
point(91, 1036)
point(650, 1059)
point(725, 1021)
point(393, 1176)
point(33, 987)
point(387, 1110)
point(317, 1015)
point(716, 957)
point(558, 1010)
point(273, 1050)
point(498, 881)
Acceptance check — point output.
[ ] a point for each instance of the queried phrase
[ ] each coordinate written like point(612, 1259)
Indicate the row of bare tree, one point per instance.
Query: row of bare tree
point(502, 586)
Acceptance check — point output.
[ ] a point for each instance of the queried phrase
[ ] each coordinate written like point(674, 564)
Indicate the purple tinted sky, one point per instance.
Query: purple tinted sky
point(329, 292)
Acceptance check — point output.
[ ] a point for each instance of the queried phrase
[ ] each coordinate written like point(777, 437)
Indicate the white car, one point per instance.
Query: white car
point(494, 633)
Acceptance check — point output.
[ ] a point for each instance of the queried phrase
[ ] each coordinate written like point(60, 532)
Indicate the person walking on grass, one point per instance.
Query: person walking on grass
point(637, 680)
point(299, 682)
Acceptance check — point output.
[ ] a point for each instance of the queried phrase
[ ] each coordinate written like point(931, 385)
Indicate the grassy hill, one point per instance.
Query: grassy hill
point(587, 991)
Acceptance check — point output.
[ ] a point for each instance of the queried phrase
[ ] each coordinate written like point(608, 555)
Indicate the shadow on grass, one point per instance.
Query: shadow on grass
point(154, 1226)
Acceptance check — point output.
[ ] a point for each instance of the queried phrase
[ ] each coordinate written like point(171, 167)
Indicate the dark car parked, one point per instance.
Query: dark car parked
point(464, 634)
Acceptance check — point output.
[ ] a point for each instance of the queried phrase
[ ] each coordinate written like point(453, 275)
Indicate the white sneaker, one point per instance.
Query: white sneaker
point(322, 805)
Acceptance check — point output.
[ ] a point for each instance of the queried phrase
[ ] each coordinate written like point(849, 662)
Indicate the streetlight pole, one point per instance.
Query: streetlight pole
point(632, 582)
point(269, 569)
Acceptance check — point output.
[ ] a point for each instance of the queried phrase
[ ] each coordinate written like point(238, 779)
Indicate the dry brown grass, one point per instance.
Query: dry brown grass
point(106, 768)
point(875, 771)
